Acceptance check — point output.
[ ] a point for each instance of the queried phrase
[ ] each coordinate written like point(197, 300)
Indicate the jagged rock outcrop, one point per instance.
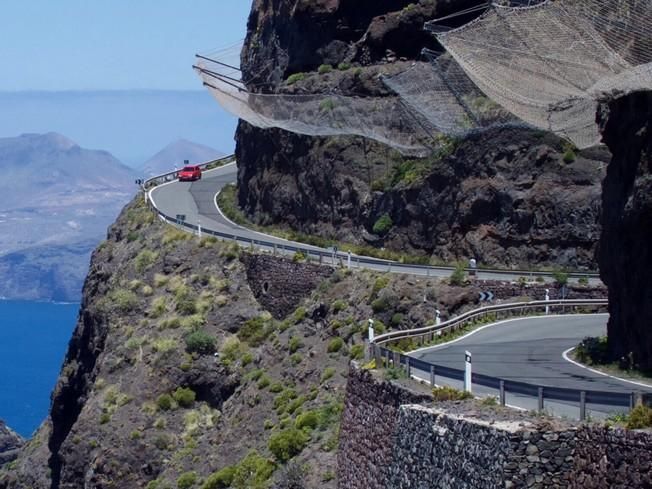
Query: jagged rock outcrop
point(625, 254)
point(509, 198)
point(10, 442)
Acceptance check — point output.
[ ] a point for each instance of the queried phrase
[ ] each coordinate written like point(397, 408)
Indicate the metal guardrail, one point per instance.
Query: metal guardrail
point(169, 176)
point(339, 256)
point(387, 357)
point(428, 333)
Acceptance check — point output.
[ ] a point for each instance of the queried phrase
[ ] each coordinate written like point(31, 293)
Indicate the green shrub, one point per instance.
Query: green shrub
point(288, 443)
point(343, 66)
point(292, 79)
point(583, 281)
point(158, 307)
point(446, 393)
point(105, 418)
point(256, 330)
point(560, 277)
point(327, 105)
point(356, 352)
point(263, 382)
point(639, 418)
point(187, 480)
point(144, 260)
point(397, 319)
point(458, 277)
point(569, 156)
point(335, 345)
point(164, 402)
point(327, 374)
point(123, 300)
point(282, 400)
point(220, 479)
point(184, 396)
point(325, 68)
point(339, 305)
point(200, 342)
point(186, 306)
point(299, 256)
point(309, 420)
point(383, 225)
point(379, 284)
point(252, 472)
point(380, 305)
point(276, 387)
point(294, 344)
point(232, 350)
point(299, 314)
point(593, 350)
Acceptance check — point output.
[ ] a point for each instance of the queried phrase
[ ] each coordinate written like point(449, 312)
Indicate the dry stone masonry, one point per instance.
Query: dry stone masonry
point(394, 443)
point(279, 284)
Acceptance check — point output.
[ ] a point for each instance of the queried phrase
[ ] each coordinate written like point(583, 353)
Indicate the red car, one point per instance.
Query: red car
point(190, 173)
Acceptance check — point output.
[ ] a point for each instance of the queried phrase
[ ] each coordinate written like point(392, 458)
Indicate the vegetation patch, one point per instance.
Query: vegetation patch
point(446, 393)
point(288, 443)
point(200, 342)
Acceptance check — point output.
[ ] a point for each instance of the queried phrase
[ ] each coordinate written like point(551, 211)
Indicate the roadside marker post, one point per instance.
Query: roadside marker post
point(438, 317)
point(467, 372)
point(547, 299)
point(198, 228)
point(348, 260)
point(371, 330)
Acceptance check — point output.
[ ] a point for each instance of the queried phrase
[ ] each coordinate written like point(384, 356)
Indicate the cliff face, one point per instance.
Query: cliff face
point(625, 254)
point(10, 442)
point(508, 198)
point(194, 360)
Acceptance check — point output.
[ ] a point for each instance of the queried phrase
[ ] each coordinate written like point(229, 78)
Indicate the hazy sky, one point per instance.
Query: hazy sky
point(112, 44)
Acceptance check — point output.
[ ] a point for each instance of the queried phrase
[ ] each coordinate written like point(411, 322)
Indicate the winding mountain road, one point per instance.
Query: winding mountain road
point(197, 202)
point(532, 350)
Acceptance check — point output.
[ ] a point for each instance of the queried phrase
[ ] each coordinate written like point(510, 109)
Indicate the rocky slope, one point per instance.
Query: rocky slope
point(10, 442)
point(143, 401)
point(56, 200)
point(509, 198)
point(625, 255)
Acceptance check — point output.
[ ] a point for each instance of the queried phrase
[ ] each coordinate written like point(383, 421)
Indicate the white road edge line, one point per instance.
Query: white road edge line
point(237, 226)
point(504, 321)
point(566, 357)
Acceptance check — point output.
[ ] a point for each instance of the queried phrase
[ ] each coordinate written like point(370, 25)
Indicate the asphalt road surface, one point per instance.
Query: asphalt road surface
point(531, 350)
point(196, 200)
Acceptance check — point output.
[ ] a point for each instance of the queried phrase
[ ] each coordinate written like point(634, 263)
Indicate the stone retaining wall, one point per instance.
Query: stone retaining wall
point(391, 444)
point(279, 284)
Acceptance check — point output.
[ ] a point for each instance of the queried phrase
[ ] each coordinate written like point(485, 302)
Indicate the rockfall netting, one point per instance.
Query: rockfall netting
point(384, 119)
point(545, 65)
point(550, 63)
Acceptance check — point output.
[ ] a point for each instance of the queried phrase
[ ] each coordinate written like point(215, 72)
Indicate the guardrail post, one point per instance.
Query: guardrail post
point(275, 249)
point(408, 366)
point(396, 361)
point(389, 267)
point(388, 359)
point(378, 356)
point(638, 399)
point(582, 406)
point(540, 399)
point(501, 395)
point(432, 375)
point(348, 260)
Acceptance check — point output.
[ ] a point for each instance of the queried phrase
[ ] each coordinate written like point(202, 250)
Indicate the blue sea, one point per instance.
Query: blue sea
point(33, 342)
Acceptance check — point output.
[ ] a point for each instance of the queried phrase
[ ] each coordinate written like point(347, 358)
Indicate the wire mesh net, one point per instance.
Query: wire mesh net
point(550, 63)
point(540, 63)
point(384, 119)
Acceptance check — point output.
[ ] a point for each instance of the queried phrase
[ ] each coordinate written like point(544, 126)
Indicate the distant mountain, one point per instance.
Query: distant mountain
point(56, 200)
point(174, 154)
